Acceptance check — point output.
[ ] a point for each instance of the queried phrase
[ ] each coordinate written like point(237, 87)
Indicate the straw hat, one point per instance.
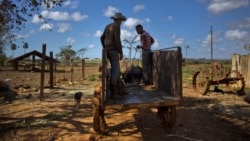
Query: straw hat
point(119, 15)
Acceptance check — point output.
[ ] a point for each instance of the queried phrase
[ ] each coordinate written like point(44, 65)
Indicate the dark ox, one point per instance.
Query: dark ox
point(133, 74)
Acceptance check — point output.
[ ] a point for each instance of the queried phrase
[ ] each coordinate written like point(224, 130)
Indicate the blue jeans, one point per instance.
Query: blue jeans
point(113, 57)
point(147, 65)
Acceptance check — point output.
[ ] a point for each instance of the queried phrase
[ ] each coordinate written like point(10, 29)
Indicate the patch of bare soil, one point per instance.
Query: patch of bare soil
point(215, 116)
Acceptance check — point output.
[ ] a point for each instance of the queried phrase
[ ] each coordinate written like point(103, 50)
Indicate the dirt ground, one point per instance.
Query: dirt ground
point(214, 117)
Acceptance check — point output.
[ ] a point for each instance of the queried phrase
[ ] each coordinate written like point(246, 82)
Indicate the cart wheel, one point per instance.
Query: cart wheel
point(237, 84)
point(201, 83)
point(167, 116)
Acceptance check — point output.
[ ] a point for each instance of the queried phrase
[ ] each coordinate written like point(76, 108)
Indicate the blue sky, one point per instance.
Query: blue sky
point(171, 23)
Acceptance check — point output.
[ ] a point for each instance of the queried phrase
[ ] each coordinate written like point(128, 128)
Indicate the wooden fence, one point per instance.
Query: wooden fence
point(241, 63)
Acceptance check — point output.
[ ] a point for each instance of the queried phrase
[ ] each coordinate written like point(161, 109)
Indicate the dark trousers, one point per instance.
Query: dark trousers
point(113, 57)
point(147, 66)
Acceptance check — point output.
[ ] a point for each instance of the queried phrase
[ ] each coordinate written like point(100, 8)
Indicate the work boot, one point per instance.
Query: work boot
point(121, 91)
point(114, 92)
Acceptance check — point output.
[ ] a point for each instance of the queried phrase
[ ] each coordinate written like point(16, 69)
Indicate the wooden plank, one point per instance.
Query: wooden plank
point(143, 105)
point(104, 81)
point(167, 72)
point(139, 97)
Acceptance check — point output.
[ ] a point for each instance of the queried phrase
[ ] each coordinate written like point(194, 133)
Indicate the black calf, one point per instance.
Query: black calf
point(133, 74)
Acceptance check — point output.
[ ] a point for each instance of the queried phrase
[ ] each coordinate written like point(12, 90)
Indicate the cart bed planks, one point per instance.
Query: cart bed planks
point(142, 97)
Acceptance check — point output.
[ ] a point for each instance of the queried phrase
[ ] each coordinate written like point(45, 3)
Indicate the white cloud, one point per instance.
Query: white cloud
point(110, 11)
point(179, 41)
point(147, 20)
point(216, 39)
point(32, 31)
point(245, 24)
point(91, 46)
point(63, 27)
point(20, 36)
point(98, 33)
point(55, 15)
point(156, 44)
point(76, 16)
point(46, 26)
point(236, 35)
point(59, 16)
point(70, 40)
point(71, 4)
point(125, 34)
point(221, 6)
point(36, 19)
point(207, 40)
point(169, 18)
point(138, 7)
point(242, 24)
point(131, 22)
point(173, 36)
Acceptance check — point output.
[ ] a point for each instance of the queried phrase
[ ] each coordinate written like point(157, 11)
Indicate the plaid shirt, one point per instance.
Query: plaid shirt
point(145, 40)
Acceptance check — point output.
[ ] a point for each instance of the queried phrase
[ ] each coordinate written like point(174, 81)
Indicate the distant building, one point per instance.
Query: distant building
point(32, 55)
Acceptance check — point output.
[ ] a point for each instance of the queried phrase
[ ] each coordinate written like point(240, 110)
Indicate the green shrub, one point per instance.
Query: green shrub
point(94, 77)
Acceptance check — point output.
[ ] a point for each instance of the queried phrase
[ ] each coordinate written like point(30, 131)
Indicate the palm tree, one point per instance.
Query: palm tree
point(13, 48)
point(25, 46)
point(130, 47)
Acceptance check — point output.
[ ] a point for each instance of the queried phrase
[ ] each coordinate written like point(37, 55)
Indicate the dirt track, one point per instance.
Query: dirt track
point(217, 116)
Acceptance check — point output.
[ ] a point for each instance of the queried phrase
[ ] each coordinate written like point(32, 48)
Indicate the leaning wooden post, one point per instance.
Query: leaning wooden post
point(42, 72)
point(51, 70)
point(72, 71)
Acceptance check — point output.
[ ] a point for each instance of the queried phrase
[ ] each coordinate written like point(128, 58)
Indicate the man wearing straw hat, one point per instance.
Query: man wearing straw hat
point(111, 40)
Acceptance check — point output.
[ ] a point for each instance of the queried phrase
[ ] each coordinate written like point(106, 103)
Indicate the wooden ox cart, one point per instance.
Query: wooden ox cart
point(165, 94)
point(215, 75)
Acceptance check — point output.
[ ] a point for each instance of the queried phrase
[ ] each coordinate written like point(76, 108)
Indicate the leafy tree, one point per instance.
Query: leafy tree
point(13, 48)
point(66, 53)
point(14, 14)
point(25, 46)
point(247, 47)
point(81, 52)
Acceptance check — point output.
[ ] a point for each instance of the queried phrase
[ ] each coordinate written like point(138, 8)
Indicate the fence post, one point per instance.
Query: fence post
point(42, 72)
point(51, 70)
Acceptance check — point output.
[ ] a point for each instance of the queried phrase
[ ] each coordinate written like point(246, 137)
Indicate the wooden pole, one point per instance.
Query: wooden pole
point(72, 71)
point(51, 70)
point(42, 72)
point(212, 52)
point(83, 69)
